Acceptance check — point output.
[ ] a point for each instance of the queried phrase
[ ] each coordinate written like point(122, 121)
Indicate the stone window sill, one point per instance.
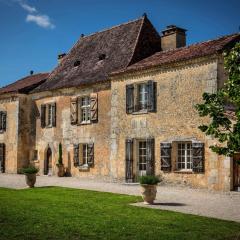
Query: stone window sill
point(84, 123)
point(140, 112)
point(184, 171)
point(83, 168)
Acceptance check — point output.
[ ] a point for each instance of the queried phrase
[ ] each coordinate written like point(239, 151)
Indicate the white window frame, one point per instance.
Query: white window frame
point(49, 115)
point(182, 154)
point(85, 156)
point(85, 109)
point(141, 155)
point(143, 96)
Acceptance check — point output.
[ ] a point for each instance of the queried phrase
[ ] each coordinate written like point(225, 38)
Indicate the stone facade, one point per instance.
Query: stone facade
point(179, 88)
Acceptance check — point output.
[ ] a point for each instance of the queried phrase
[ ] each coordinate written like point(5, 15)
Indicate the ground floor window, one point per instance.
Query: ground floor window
point(184, 156)
point(83, 154)
point(142, 157)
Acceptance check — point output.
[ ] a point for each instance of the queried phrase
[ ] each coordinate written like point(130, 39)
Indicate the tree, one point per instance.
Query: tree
point(60, 159)
point(221, 126)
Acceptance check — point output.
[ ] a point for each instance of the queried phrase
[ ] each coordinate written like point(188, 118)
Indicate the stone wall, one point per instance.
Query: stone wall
point(179, 88)
point(69, 134)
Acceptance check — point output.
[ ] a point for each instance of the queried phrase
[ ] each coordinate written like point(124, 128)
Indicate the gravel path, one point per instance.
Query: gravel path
point(181, 199)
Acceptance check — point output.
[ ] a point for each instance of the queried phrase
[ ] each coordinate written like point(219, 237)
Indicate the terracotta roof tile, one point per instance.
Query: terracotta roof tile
point(26, 84)
point(184, 53)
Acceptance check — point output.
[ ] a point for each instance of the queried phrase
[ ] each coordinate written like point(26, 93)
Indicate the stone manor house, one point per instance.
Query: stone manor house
point(121, 103)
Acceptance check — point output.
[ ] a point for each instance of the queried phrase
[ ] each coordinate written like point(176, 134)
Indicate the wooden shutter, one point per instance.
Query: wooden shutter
point(150, 157)
point(4, 119)
point(166, 149)
point(79, 109)
point(129, 160)
point(76, 155)
point(43, 116)
point(152, 87)
point(54, 114)
point(2, 157)
point(73, 111)
point(94, 107)
point(136, 97)
point(129, 98)
point(90, 154)
point(198, 157)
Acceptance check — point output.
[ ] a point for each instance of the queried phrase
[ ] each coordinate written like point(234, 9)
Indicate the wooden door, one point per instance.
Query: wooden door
point(236, 171)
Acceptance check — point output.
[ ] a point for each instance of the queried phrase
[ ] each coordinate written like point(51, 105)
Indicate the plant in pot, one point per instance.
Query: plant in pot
point(30, 175)
point(149, 188)
point(60, 165)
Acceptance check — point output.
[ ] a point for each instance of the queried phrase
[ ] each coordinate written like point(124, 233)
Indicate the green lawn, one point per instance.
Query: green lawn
point(61, 213)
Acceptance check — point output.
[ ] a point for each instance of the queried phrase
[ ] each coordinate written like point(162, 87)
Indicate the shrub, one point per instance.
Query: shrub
point(60, 159)
point(29, 170)
point(150, 180)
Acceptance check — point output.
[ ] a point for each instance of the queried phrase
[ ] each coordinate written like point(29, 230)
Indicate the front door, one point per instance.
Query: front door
point(142, 158)
point(236, 172)
point(2, 157)
point(48, 162)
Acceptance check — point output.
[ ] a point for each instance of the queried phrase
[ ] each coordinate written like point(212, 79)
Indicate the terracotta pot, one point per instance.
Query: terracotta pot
point(148, 193)
point(61, 171)
point(30, 179)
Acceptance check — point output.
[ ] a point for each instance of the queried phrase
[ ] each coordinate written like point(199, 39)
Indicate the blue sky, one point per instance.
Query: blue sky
point(34, 32)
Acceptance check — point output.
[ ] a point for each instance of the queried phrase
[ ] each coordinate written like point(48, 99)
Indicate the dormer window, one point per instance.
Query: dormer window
point(101, 56)
point(76, 63)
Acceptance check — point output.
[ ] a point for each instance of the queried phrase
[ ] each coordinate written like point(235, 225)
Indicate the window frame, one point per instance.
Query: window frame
point(184, 156)
point(3, 118)
point(143, 97)
point(85, 110)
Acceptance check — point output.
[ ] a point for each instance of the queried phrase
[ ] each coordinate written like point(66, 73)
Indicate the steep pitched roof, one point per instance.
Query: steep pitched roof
point(184, 53)
point(122, 44)
point(26, 84)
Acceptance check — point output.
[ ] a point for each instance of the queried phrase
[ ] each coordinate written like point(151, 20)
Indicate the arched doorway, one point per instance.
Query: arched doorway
point(48, 162)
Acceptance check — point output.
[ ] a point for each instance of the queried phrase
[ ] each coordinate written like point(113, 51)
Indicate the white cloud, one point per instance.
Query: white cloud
point(27, 7)
point(41, 20)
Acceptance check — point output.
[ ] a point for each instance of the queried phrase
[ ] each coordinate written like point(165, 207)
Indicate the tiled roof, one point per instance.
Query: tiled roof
point(26, 84)
point(184, 53)
point(123, 44)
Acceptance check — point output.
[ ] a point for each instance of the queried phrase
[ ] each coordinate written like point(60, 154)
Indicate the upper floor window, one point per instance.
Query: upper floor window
point(48, 115)
point(3, 121)
point(84, 109)
point(141, 97)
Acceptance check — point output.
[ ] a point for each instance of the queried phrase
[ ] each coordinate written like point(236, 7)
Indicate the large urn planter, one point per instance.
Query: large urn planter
point(30, 175)
point(149, 188)
point(61, 170)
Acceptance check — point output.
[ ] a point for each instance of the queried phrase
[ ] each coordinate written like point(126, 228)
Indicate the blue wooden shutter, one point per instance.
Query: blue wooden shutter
point(129, 160)
point(152, 95)
point(129, 98)
point(43, 115)
point(150, 157)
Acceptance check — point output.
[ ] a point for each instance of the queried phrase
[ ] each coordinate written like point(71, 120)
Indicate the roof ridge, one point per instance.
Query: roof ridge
point(110, 28)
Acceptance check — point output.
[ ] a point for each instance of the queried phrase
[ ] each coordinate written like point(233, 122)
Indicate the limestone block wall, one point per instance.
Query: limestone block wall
point(68, 134)
point(10, 137)
point(179, 88)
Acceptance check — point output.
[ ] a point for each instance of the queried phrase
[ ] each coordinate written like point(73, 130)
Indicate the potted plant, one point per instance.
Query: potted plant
point(30, 175)
point(60, 165)
point(149, 188)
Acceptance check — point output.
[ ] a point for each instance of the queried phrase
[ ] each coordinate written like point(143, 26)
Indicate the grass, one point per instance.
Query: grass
point(63, 213)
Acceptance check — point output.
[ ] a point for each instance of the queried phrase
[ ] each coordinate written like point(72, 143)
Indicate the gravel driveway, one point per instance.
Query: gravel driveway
point(181, 199)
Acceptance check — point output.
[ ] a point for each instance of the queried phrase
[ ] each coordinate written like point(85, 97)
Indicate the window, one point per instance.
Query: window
point(48, 115)
point(184, 158)
point(142, 151)
point(141, 97)
point(3, 121)
point(85, 110)
point(83, 155)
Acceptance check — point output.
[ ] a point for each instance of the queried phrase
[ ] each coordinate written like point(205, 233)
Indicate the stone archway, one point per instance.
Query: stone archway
point(48, 162)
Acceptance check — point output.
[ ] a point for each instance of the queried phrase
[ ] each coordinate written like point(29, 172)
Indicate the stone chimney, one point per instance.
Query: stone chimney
point(173, 37)
point(60, 57)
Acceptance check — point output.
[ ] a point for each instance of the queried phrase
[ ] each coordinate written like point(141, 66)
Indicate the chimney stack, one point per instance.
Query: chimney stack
point(173, 37)
point(31, 72)
point(60, 57)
